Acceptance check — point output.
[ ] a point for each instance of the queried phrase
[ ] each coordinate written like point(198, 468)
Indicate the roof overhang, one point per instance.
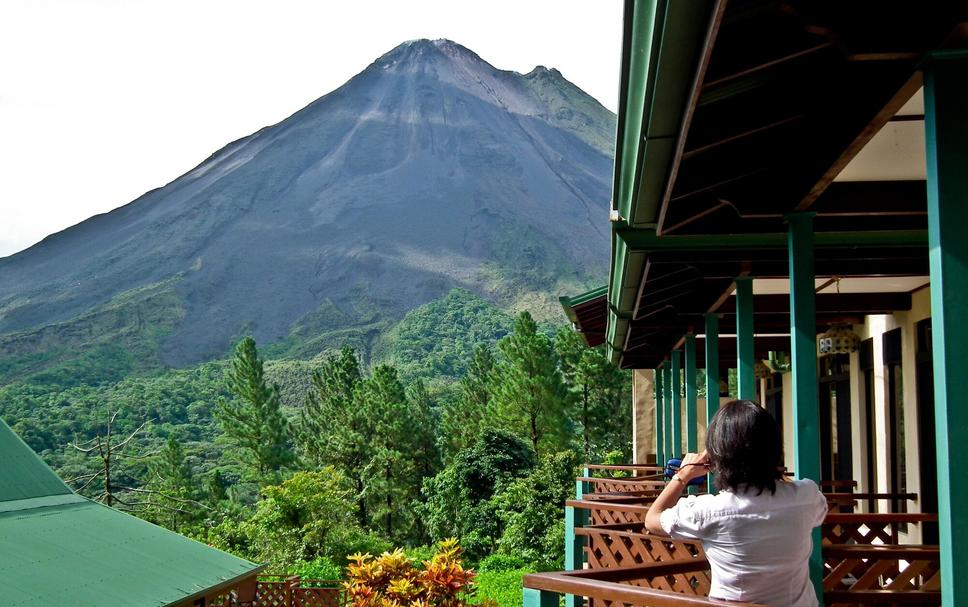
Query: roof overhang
point(720, 138)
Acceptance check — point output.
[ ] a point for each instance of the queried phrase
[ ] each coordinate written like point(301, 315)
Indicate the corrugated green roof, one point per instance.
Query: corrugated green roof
point(23, 474)
point(57, 548)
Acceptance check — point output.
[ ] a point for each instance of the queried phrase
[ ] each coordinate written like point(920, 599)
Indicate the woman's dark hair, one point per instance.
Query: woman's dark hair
point(744, 447)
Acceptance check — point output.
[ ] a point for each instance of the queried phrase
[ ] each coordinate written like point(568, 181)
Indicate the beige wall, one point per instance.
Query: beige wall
point(874, 327)
point(643, 416)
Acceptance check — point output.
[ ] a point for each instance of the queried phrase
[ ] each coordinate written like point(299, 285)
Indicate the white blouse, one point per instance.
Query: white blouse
point(757, 545)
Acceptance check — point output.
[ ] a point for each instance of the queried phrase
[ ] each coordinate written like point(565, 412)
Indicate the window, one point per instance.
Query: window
point(895, 408)
point(869, 422)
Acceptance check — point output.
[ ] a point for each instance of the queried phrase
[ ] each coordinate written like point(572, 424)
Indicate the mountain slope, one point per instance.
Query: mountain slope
point(427, 171)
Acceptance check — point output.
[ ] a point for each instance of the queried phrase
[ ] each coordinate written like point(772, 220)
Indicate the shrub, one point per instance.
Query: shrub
point(500, 587)
point(531, 509)
point(421, 554)
point(499, 563)
point(392, 579)
point(458, 498)
point(320, 568)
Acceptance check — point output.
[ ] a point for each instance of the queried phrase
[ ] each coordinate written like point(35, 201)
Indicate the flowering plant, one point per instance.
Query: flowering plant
point(393, 580)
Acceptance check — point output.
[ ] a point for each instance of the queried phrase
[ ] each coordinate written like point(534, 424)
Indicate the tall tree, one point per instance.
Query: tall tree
point(253, 420)
point(170, 479)
point(391, 470)
point(333, 428)
point(598, 391)
point(529, 394)
point(464, 416)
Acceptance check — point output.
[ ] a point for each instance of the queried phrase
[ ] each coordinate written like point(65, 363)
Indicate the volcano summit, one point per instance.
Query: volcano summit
point(427, 171)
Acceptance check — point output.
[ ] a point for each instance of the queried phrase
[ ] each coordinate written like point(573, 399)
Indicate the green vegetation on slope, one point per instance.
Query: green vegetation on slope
point(400, 463)
point(438, 338)
point(107, 344)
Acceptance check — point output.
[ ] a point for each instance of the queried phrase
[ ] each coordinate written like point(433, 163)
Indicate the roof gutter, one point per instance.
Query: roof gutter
point(661, 51)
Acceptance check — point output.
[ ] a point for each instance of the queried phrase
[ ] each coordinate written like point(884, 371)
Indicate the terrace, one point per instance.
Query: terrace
point(785, 169)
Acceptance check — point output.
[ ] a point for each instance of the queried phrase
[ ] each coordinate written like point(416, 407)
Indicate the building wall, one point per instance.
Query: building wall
point(875, 327)
point(643, 416)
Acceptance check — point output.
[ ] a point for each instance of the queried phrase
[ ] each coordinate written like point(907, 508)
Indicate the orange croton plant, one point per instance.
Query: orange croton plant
point(392, 580)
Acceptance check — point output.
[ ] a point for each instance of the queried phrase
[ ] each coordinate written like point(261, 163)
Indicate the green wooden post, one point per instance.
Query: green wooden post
point(692, 430)
point(803, 343)
point(946, 130)
point(692, 396)
point(667, 412)
point(712, 376)
point(745, 373)
point(574, 548)
point(574, 543)
point(539, 598)
point(659, 419)
point(676, 404)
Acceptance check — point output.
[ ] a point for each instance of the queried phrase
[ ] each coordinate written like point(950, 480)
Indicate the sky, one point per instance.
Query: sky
point(103, 100)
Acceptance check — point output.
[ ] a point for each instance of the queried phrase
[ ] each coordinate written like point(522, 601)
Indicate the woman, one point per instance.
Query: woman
point(756, 532)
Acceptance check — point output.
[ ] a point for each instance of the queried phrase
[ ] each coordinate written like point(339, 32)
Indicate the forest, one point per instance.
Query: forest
point(303, 463)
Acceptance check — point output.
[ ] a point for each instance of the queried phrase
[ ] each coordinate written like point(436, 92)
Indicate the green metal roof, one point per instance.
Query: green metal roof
point(58, 548)
point(24, 475)
point(662, 43)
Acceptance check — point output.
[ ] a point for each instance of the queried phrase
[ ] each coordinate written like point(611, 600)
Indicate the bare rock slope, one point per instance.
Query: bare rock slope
point(427, 171)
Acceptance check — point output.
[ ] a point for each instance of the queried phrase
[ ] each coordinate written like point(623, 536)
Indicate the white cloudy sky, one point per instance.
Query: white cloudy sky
point(102, 100)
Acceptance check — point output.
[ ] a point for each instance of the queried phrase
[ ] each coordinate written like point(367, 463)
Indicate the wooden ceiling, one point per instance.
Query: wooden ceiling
point(785, 95)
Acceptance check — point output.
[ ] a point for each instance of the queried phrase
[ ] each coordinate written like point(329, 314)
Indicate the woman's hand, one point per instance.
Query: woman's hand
point(693, 466)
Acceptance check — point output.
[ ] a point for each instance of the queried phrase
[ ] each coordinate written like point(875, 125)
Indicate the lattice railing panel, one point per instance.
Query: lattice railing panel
point(606, 548)
point(869, 529)
point(227, 599)
point(859, 533)
point(608, 516)
point(319, 597)
point(856, 575)
point(274, 594)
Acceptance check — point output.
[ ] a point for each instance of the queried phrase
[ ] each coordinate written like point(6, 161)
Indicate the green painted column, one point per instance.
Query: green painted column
point(659, 418)
point(574, 548)
point(712, 366)
point(574, 543)
point(667, 413)
point(745, 373)
point(946, 130)
point(676, 404)
point(712, 376)
point(803, 343)
point(539, 598)
point(692, 396)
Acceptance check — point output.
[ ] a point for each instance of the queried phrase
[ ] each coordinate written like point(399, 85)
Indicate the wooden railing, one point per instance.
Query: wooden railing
point(600, 512)
point(877, 528)
point(674, 584)
point(881, 575)
point(287, 591)
point(864, 563)
point(846, 502)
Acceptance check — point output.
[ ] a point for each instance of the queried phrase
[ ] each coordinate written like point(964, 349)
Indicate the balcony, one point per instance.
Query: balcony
point(612, 558)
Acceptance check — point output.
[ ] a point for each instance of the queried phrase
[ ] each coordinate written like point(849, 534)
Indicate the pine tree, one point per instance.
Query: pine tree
point(333, 428)
point(170, 486)
point(254, 420)
point(597, 387)
point(390, 470)
point(465, 415)
point(529, 394)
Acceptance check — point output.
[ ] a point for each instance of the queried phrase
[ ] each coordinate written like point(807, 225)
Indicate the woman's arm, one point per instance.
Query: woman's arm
point(693, 466)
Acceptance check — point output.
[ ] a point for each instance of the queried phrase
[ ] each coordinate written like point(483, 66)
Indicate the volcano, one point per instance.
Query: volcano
point(429, 170)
